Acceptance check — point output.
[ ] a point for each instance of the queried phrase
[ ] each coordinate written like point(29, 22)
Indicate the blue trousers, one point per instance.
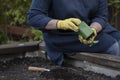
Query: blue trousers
point(115, 48)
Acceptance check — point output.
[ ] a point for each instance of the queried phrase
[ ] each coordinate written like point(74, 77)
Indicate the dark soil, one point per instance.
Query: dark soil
point(17, 69)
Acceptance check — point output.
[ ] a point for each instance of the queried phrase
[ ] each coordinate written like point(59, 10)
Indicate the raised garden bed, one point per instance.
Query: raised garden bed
point(17, 69)
point(16, 48)
point(15, 30)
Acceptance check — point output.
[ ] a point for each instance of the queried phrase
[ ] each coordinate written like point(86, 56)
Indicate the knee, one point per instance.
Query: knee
point(114, 49)
point(119, 43)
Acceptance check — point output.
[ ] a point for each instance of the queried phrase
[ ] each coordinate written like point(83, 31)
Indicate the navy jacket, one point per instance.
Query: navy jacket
point(60, 41)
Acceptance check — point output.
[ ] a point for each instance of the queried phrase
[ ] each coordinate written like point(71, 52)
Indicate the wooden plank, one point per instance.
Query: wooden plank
point(15, 30)
point(97, 58)
point(102, 59)
point(42, 46)
point(88, 66)
point(19, 47)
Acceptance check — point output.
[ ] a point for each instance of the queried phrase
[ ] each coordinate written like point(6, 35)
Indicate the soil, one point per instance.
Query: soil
point(17, 69)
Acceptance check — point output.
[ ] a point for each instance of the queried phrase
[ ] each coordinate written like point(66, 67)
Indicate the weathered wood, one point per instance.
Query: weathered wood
point(97, 58)
point(102, 59)
point(19, 47)
point(88, 66)
point(42, 46)
point(15, 30)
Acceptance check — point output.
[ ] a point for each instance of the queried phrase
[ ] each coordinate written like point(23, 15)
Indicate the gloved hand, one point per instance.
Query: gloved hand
point(70, 23)
point(89, 41)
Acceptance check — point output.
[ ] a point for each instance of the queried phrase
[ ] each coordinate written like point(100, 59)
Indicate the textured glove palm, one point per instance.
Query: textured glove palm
point(90, 41)
point(70, 23)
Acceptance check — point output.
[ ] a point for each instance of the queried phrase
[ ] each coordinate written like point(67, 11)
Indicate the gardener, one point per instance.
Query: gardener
point(58, 19)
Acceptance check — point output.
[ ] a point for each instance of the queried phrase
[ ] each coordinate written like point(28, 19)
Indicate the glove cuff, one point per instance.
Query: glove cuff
point(95, 31)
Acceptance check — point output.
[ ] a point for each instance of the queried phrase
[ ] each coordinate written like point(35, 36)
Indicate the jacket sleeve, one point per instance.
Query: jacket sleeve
point(101, 15)
point(38, 14)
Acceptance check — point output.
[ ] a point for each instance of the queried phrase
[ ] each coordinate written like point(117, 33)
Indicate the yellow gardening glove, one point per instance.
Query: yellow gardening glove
point(89, 41)
point(70, 23)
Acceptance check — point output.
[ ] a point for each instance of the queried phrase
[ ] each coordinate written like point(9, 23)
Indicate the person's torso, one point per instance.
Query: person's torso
point(82, 9)
point(85, 10)
point(63, 9)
